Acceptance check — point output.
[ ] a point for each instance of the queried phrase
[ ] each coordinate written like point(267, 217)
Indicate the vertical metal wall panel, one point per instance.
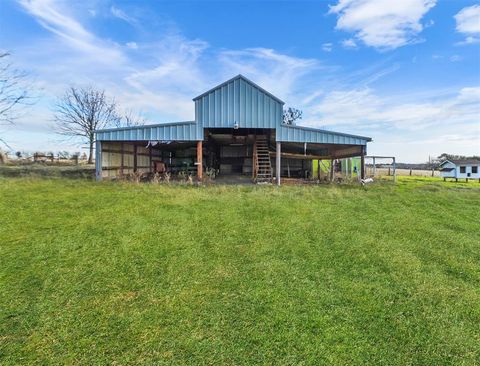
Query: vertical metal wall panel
point(238, 101)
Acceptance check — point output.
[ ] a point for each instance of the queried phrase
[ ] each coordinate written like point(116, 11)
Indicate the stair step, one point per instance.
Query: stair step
point(263, 166)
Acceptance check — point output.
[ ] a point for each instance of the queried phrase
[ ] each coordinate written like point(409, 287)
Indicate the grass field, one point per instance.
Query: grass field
point(123, 274)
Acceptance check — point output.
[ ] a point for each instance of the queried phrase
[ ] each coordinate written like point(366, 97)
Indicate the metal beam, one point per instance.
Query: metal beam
point(362, 164)
point(98, 160)
point(199, 160)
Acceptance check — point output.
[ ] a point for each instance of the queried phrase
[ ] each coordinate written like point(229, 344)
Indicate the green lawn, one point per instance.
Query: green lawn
point(122, 274)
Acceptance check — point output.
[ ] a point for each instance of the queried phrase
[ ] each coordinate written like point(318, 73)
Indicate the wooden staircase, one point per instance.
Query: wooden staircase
point(262, 163)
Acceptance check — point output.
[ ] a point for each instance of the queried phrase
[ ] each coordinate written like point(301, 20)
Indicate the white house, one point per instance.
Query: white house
point(460, 169)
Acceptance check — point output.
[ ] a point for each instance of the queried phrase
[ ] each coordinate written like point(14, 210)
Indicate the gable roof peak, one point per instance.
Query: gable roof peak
point(248, 81)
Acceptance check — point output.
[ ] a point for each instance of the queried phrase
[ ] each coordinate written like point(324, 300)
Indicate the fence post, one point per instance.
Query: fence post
point(394, 170)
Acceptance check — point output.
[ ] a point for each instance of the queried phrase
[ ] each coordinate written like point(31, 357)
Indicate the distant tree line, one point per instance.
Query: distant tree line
point(445, 156)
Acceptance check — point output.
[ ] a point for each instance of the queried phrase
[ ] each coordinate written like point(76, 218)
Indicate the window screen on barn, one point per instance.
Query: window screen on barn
point(462, 169)
point(474, 169)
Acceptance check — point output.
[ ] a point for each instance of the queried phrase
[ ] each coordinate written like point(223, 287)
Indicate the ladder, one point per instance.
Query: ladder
point(263, 165)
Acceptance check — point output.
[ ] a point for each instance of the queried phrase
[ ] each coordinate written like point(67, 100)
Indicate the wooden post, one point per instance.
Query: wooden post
point(150, 157)
point(374, 167)
point(278, 166)
point(362, 163)
point(199, 160)
point(394, 170)
point(318, 167)
point(122, 163)
point(254, 158)
point(134, 158)
point(331, 170)
point(98, 160)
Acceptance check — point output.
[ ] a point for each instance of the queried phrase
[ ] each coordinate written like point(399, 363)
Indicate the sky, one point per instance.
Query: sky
point(406, 73)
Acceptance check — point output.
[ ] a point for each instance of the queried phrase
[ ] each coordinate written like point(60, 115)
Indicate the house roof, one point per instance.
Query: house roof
point(240, 76)
point(470, 161)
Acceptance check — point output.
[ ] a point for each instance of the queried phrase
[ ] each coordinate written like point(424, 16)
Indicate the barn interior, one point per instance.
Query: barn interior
point(223, 153)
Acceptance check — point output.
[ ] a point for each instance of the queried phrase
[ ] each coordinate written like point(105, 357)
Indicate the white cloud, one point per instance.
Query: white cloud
point(456, 58)
point(349, 43)
point(120, 14)
point(364, 107)
point(468, 23)
point(410, 127)
point(278, 73)
point(382, 24)
point(132, 45)
point(327, 47)
point(53, 17)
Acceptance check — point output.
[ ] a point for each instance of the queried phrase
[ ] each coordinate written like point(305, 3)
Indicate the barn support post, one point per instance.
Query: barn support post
point(278, 167)
point(254, 158)
point(122, 162)
point(98, 160)
point(135, 158)
point(362, 163)
point(374, 167)
point(199, 160)
point(150, 157)
point(318, 169)
point(331, 169)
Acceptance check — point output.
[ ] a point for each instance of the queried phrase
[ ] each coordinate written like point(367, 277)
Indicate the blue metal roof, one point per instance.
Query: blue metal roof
point(237, 101)
point(244, 79)
point(178, 131)
point(287, 133)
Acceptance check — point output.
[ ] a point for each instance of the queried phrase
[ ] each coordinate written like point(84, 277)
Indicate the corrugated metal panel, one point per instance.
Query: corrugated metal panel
point(181, 131)
point(305, 134)
point(238, 101)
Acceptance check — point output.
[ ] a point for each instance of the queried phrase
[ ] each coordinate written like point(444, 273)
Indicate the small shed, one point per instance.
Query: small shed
point(460, 169)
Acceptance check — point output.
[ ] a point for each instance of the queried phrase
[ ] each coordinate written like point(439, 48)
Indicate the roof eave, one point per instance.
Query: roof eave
point(145, 126)
point(368, 139)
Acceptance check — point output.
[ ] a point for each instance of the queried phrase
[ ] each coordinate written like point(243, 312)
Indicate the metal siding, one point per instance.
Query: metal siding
point(238, 101)
point(181, 132)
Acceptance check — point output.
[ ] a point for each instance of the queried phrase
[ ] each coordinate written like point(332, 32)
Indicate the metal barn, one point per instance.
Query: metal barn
point(238, 131)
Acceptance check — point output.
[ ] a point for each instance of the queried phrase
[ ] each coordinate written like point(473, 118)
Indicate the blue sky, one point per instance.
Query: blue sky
point(406, 73)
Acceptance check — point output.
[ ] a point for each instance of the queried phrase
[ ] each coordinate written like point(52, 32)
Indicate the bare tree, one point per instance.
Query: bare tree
point(290, 115)
point(14, 92)
point(81, 111)
point(129, 119)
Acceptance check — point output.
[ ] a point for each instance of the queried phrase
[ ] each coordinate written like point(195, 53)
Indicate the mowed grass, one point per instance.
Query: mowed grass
point(125, 274)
